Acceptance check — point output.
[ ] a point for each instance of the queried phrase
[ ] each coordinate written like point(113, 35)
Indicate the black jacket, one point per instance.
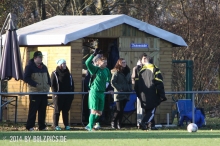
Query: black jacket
point(37, 78)
point(62, 81)
point(149, 86)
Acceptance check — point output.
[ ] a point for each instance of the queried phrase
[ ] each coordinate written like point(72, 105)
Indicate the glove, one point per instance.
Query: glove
point(96, 51)
point(100, 52)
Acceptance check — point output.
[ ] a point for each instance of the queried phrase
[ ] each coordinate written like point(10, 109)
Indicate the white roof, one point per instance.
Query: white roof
point(64, 29)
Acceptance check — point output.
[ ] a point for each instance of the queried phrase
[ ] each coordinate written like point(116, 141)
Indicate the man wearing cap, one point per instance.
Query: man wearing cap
point(62, 81)
point(37, 77)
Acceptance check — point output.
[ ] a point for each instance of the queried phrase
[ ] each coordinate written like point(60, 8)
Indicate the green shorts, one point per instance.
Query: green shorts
point(96, 100)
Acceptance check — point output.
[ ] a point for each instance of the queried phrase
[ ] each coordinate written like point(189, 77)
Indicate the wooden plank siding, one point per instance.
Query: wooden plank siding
point(166, 69)
point(76, 69)
point(119, 31)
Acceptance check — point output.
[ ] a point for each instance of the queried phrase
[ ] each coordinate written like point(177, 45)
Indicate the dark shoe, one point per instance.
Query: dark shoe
point(31, 129)
point(44, 129)
point(143, 126)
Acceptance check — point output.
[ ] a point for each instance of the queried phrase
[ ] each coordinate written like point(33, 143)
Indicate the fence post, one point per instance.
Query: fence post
point(193, 105)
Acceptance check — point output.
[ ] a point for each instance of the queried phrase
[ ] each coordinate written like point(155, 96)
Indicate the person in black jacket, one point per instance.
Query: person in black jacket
point(62, 81)
point(150, 90)
point(37, 77)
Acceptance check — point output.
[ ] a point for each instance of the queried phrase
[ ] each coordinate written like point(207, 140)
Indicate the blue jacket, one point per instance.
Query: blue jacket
point(199, 118)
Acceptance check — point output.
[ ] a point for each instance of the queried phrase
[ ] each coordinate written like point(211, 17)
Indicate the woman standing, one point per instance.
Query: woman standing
point(121, 82)
point(62, 81)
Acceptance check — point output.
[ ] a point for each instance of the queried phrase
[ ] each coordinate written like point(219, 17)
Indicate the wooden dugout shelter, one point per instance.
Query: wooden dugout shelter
point(66, 36)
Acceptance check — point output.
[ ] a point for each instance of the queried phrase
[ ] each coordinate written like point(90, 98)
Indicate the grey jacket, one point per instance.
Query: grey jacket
point(122, 83)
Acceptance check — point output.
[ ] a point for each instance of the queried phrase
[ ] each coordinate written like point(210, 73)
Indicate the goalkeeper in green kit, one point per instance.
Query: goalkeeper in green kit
point(97, 87)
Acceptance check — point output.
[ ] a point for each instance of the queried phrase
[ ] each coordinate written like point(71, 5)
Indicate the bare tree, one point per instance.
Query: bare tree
point(41, 9)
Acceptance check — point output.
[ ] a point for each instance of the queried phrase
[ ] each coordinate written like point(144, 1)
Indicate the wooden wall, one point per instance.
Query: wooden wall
point(119, 31)
point(76, 69)
point(166, 69)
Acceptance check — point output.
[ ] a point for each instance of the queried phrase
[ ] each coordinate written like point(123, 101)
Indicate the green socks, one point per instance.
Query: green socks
point(97, 118)
point(92, 118)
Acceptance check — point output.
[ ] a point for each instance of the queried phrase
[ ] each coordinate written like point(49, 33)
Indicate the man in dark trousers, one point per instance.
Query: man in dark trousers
point(37, 77)
point(150, 90)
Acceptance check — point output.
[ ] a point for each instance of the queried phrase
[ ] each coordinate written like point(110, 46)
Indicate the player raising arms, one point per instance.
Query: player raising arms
point(97, 87)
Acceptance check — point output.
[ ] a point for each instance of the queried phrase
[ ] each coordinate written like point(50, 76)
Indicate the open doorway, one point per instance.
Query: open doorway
point(109, 46)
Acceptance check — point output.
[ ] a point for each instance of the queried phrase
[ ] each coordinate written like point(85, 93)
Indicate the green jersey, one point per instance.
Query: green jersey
point(102, 75)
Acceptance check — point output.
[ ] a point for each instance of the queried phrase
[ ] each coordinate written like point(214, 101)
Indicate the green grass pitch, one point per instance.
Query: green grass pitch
point(111, 138)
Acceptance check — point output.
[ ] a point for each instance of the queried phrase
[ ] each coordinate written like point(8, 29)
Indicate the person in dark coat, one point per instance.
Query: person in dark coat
point(113, 54)
point(121, 82)
point(37, 77)
point(62, 81)
point(150, 90)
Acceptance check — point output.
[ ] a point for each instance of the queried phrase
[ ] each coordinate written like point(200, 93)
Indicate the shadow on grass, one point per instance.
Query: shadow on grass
point(115, 135)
